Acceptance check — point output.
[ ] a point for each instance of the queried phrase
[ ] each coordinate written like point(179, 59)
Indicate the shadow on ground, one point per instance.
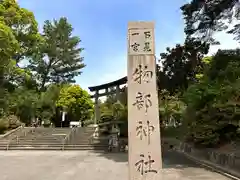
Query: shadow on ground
point(115, 156)
point(101, 148)
point(171, 158)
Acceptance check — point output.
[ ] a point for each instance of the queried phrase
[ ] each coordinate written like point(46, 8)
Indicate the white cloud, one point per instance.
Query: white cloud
point(226, 42)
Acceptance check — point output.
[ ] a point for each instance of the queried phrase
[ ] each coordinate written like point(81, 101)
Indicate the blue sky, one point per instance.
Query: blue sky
point(102, 27)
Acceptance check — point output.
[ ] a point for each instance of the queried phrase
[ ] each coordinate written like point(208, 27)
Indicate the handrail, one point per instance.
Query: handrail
point(93, 136)
point(10, 140)
point(24, 135)
point(91, 139)
point(66, 138)
point(10, 132)
point(15, 137)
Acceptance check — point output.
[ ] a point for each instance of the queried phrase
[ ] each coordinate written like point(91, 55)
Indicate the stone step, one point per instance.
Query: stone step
point(80, 142)
point(30, 142)
point(33, 140)
point(36, 143)
point(4, 142)
point(81, 137)
point(40, 138)
point(50, 132)
point(54, 144)
point(3, 146)
point(86, 145)
point(47, 134)
point(52, 129)
point(86, 148)
point(58, 147)
point(83, 134)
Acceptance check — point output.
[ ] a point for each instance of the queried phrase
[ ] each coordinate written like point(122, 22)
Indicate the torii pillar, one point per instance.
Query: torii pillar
point(96, 107)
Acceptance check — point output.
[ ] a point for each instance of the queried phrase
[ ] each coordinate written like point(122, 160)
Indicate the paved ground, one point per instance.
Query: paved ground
point(84, 165)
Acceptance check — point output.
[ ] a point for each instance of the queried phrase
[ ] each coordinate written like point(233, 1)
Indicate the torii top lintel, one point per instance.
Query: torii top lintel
point(108, 85)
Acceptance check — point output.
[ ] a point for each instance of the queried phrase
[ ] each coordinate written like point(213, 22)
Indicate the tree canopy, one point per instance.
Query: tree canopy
point(204, 18)
point(52, 58)
point(200, 91)
point(23, 26)
point(181, 63)
point(58, 58)
point(76, 102)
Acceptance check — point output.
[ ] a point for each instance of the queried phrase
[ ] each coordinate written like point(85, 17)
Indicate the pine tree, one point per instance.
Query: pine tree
point(58, 58)
point(205, 17)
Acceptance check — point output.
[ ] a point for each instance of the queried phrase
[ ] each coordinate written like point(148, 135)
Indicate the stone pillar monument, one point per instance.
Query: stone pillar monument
point(145, 158)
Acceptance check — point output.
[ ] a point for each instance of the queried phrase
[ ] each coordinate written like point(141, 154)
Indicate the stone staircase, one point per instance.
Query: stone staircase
point(40, 138)
point(53, 139)
point(82, 139)
point(6, 140)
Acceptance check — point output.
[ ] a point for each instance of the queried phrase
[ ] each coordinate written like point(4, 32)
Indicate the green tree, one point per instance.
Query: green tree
point(170, 108)
point(46, 106)
point(114, 109)
point(117, 111)
point(23, 103)
point(58, 58)
point(204, 18)
point(18, 37)
point(23, 25)
point(213, 103)
point(181, 64)
point(76, 102)
point(8, 46)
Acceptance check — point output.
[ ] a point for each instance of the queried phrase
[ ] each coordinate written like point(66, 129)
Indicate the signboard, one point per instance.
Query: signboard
point(63, 116)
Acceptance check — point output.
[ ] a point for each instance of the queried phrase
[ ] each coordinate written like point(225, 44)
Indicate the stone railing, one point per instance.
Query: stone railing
point(225, 162)
point(228, 162)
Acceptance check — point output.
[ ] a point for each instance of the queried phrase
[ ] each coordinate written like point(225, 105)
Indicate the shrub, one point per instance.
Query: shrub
point(87, 122)
point(3, 126)
point(13, 121)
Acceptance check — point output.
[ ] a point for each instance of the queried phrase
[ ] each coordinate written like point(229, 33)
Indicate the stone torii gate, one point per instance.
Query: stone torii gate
point(117, 90)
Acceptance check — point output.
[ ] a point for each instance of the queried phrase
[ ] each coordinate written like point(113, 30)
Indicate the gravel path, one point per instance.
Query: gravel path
point(86, 165)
